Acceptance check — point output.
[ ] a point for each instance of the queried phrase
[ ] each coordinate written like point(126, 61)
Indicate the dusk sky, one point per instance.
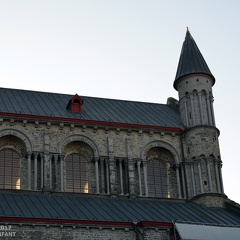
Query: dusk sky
point(125, 50)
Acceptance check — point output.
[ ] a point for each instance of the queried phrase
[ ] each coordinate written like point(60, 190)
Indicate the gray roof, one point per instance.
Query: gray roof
point(191, 60)
point(97, 208)
point(54, 105)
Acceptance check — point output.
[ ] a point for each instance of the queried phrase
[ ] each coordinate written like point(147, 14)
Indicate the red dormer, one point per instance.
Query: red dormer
point(75, 104)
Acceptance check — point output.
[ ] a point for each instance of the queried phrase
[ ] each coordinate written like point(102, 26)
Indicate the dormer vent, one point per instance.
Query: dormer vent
point(75, 104)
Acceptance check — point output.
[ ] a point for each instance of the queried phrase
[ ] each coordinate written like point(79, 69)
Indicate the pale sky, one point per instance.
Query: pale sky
point(125, 50)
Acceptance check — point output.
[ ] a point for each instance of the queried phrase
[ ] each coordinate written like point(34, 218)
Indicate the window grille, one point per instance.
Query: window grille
point(76, 174)
point(157, 179)
point(9, 169)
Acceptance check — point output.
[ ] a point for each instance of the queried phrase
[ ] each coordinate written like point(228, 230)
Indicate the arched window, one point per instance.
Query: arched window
point(9, 169)
point(157, 179)
point(76, 173)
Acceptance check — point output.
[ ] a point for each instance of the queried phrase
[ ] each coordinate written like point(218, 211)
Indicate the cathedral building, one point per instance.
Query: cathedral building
point(77, 167)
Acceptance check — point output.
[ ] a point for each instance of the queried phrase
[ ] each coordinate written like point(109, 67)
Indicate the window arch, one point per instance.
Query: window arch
point(9, 169)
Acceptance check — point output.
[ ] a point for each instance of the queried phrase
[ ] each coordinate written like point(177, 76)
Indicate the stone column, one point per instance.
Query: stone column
point(209, 175)
point(186, 112)
point(47, 164)
point(193, 178)
point(112, 167)
point(209, 110)
point(121, 175)
point(200, 106)
point(192, 107)
point(55, 172)
point(183, 180)
point(50, 173)
point(42, 171)
point(35, 171)
point(107, 175)
point(96, 175)
point(29, 171)
point(178, 181)
point(212, 110)
point(102, 175)
point(217, 176)
point(61, 173)
point(139, 177)
point(131, 172)
point(125, 186)
point(200, 176)
point(145, 178)
point(220, 176)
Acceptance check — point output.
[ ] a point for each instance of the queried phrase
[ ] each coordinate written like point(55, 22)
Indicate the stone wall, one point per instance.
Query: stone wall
point(56, 140)
point(64, 232)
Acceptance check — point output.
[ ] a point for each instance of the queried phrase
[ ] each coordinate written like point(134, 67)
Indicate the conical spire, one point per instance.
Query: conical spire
point(191, 60)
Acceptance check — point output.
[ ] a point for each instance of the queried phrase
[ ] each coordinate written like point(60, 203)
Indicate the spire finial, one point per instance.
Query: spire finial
point(187, 29)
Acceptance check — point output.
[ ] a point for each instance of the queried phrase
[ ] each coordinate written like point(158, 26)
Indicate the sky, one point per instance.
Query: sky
point(126, 49)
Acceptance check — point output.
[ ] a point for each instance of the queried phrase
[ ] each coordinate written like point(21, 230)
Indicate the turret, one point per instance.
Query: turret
point(194, 82)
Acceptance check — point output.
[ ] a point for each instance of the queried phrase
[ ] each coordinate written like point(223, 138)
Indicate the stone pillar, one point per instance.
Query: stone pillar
point(183, 180)
point(220, 176)
point(55, 172)
point(212, 110)
point(29, 171)
point(200, 176)
point(192, 108)
point(61, 173)
point(50, 174)
point(217, 176)
point(145, 178)
point(96, 175)
point(200, 106)
point(131, 172)
point(209, 175)
point(102, 175)
point(209, 110)
point(112, 167)
point(107, 175)
point(178, 181)
point(121, 176)
point(47, 163)
point(42, 171)
point(186, 112)
point(193, 178)
point(35, 171)
point(139, 177)
point(126, 187)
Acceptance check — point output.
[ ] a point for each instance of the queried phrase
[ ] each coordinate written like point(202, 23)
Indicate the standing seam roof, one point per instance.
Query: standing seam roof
point(45, 104)
point(97, 208)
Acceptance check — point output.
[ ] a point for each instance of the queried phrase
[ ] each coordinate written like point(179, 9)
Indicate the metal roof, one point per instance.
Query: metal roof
point(97, 208)
point(191, 60)
point(46, 104)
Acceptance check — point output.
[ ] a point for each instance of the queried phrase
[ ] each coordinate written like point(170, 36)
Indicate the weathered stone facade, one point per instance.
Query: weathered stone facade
point(76, 232)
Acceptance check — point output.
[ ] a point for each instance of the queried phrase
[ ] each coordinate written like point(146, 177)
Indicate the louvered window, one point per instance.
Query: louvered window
point(9, 169)
point(157, 179)
point(76, 174)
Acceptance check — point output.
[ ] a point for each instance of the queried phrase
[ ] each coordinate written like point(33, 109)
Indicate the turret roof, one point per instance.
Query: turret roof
point(191, 60)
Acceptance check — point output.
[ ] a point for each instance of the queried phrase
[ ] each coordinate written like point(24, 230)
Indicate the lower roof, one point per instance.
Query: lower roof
point(71, 207)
